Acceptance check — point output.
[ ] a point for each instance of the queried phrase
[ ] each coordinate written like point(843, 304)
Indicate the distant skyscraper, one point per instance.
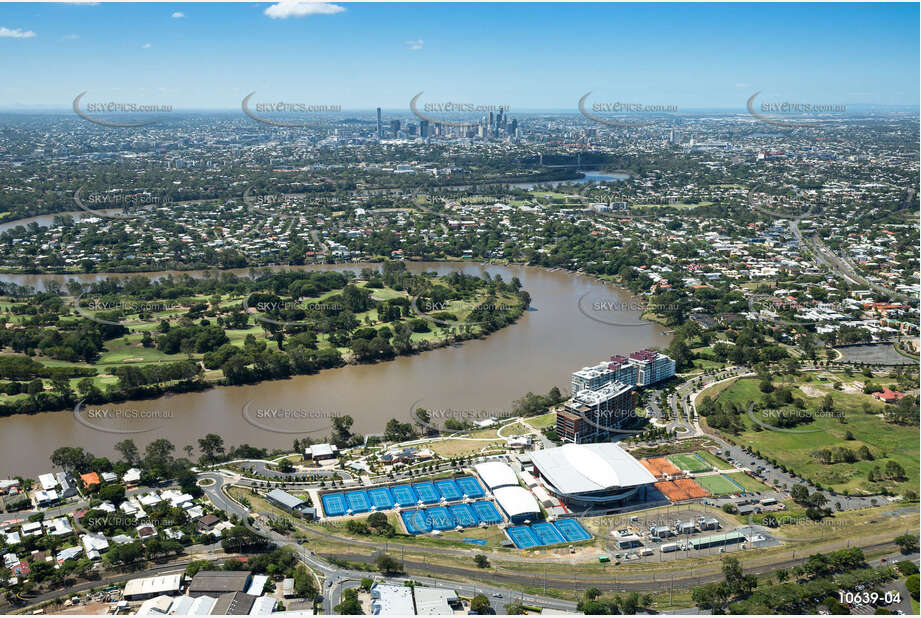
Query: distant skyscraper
point(491, 118)
point(395, 127)
point(380, 125)
point(514, 130)
point(424, 129)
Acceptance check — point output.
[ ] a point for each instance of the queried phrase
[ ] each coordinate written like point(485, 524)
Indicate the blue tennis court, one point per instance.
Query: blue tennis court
point(358, 501)
point(448, 489)
point(333, 505)
point(380, 498)
point(427, 493)
point(440, 518)
point(416, 522)
point(486, 512)
point(572, 530)
point(463, 515)
point(403, 495)
point(469, 486)
point(547, 534)
point(522, 537)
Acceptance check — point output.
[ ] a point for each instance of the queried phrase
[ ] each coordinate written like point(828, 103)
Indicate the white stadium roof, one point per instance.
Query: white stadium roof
point(496, 474)
point(585, 468)
point(516, 501)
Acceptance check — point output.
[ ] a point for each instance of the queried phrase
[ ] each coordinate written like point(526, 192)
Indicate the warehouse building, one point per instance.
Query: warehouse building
point(150, 587)
point(216, 583)
point(515, 501)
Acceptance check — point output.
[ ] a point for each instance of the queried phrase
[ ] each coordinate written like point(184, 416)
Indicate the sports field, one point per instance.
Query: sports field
point(717, 485)
point(713, 460)
point(749, 483)
point(689, 462)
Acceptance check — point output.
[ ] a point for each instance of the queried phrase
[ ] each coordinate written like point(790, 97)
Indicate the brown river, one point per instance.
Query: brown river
point(574, 321)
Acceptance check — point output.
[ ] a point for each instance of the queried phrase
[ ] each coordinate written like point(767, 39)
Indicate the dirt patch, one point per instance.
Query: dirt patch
point(133, 359)
point(812, 391)
point(852, 387)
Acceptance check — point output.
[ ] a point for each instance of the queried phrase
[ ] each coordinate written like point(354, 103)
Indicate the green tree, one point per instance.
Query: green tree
point(480, 604)
point(907, 543)
point(350, 606)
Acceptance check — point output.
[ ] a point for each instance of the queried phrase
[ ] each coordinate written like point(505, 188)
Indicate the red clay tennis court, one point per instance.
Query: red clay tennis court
point(659, 466)
point(691, 488)
point(681, 489)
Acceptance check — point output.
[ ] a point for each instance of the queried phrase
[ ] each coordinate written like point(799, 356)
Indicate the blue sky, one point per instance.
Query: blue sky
point(527, 56)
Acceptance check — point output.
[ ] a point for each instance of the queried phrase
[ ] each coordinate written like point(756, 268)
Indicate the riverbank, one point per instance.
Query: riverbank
point(481, 378)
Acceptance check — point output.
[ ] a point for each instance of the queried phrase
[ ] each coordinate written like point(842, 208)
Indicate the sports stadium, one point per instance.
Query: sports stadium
point(601, 475)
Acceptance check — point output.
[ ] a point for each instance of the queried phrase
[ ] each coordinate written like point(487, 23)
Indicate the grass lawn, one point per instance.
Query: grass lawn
point(689, 463)
point(749, 483)
point(886, 441)
point(542, 421)
point(456, 448)
point(715, 461)
point(716, 484)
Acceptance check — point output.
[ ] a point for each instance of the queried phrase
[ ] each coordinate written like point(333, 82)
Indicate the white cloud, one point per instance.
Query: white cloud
point(18, 33)
point(414, 45)
point(146, 46)
point(70, 37)
point(741, 85)
point(178, 15)
point(295, 8)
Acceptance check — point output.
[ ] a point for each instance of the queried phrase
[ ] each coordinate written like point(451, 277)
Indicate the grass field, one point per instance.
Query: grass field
point(715, 461)
point(542, 421)
point(689, 463)
point(886, 441)
point(749, 483)
point(717, 485)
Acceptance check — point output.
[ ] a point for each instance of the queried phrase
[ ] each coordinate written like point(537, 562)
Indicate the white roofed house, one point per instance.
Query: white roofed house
point(46, 497)
point(68, 553)
point(60, 526)
point(94, 544)
point(47, 481)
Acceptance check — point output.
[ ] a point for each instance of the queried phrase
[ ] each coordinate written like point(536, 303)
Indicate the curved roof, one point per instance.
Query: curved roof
point(584, 468)
point(516, 501)
point(496, 474)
